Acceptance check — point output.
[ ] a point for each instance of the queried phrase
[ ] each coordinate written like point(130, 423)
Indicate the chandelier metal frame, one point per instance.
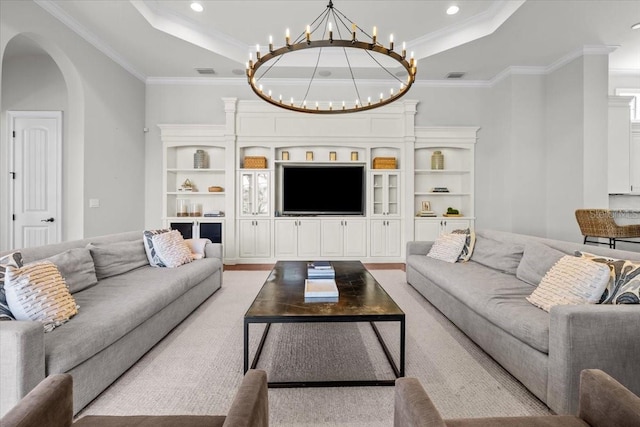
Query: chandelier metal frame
point(304, 41)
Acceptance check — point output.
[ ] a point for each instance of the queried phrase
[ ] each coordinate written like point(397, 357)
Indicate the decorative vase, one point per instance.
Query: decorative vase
point(200, 159)
point(437, 160)
point(182, 207)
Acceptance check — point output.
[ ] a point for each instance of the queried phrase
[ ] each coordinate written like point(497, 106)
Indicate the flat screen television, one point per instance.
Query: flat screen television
point(323, 190)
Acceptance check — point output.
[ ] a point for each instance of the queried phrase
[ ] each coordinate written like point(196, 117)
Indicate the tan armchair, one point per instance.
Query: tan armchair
point(50, 404)
point(604, 402)
point(601, 223)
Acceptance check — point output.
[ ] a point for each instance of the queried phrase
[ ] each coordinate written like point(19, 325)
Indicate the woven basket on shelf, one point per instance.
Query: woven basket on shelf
point(384, 163)
point(255, 162)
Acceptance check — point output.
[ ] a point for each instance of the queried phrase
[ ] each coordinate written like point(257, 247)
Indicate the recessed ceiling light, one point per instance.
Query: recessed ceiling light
point(196, 7)
point(453, 10)
point(635, 26)
point(324, 73)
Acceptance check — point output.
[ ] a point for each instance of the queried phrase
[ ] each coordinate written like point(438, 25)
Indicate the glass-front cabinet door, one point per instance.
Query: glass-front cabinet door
point(254, 193)
point(386, 193)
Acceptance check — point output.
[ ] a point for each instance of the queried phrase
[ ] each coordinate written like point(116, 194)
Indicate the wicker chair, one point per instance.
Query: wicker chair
point(600, 223)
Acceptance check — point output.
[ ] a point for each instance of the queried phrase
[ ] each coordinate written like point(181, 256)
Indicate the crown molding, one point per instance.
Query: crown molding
point(88, 36)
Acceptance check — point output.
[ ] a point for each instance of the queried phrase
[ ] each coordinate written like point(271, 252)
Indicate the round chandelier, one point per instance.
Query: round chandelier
point(358, 41)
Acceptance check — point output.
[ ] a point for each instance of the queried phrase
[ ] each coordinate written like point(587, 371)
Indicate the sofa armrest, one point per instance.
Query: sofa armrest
point(604, 402)
point(213, 250)
point(590, 336)
point(50, 403)
point(250, 407)
point(412, 406)
point(418, 248)
point(22, 364)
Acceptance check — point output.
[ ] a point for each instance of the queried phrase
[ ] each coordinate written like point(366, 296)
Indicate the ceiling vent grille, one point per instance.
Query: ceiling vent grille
point(455, 75)
point(206, 71)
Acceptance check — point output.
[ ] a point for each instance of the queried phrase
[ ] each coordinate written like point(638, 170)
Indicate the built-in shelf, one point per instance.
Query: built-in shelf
point(197, 193)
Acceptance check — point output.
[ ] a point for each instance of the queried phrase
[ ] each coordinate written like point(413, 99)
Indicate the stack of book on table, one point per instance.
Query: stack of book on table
point(320, 282)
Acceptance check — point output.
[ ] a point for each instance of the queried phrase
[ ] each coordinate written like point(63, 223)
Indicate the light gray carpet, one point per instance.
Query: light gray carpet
point(197, 368)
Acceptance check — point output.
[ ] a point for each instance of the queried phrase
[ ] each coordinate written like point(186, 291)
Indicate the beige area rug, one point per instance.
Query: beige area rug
point(197, 368)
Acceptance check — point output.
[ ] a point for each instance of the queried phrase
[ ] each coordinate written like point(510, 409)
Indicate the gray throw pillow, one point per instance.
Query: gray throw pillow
point(118, 258)
point(76, 267)
point(500, 256)
point(538, 258)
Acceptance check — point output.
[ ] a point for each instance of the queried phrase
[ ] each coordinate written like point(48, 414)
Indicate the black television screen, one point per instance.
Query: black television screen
point(323, 190)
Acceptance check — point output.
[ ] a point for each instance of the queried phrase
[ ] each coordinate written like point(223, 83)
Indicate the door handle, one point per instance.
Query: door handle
point(47, 220)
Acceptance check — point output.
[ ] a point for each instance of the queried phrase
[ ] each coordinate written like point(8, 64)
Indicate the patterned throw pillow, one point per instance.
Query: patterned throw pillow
point(571, 280)
point(624, 280)
point(152, 255)
point(14, 260)
point(38, 292)
point(447, 247)
point(171, 249)
point(470, 242)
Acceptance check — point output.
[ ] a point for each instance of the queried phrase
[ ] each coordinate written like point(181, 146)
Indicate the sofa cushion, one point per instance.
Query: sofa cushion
point(447, 247)
point(171, 249)
point(624, 279)
point(571, 281)
point(196, 246)
point(118, 258)
point(538, 258)
point(497, 296)
point(501, 256)
point(38, 292)
point(116, 306)
point(13, 259)
point(77, 267)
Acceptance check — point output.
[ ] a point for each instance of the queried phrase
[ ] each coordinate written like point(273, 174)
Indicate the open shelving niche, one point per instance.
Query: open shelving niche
point(458, 147)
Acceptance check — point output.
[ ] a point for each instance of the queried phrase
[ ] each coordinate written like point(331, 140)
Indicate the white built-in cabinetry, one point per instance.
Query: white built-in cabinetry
point(457, 145)
point(621, 162)
point(253, 227)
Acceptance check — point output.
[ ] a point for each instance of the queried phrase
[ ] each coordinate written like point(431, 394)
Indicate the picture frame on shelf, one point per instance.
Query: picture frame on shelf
point(426, 206)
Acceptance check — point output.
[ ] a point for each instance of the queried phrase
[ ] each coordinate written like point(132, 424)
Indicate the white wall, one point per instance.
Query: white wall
point(104, 143)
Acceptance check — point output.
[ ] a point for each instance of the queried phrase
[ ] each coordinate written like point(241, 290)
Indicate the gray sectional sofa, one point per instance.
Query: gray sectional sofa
point(485, 298)
point(130, 309)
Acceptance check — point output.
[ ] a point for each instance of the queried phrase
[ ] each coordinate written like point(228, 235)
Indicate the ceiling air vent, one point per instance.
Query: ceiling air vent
point(455, 75)
point(206, 71)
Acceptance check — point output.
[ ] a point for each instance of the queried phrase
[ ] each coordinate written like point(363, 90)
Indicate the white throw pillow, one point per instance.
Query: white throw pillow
point(14, 260)
point(171, 249)
point(38, 292)
point(571, 280)
point(448, 247)
point(196, 246)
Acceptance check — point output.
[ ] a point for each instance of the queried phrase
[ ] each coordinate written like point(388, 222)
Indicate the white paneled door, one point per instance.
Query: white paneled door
point(35, 187)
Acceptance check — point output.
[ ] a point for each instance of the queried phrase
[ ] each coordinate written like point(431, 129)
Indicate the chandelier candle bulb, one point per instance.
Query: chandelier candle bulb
point(391, 42)
point(287, 37)
point(375, 34)
point(270, 43)
point(353, 31)
point(308, 34)
point(404, 50)
point(258, 52)
point(343, 105)
point(330, 33)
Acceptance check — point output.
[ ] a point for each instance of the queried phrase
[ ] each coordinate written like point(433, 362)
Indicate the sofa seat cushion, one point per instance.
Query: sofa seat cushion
point(498, 297)
point(151, 421)
point(117, 305)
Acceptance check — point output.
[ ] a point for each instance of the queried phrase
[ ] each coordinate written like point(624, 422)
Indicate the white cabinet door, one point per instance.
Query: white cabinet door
point(308, 238)
point(378, 237)
point(394, 237)
point(286, 238)
point(246, 238)
point(262, 238)
point(254, 193)
point(427, 230)
point(385, 193)
point(386, 239)
point(354, 237)
point(254, 238)
point(332, 237)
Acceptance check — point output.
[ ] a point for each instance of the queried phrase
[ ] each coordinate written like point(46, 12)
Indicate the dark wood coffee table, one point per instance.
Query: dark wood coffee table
point(362, 299)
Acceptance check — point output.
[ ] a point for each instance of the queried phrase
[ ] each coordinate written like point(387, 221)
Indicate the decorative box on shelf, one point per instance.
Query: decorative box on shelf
point(255, 162)
point(384, 163)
